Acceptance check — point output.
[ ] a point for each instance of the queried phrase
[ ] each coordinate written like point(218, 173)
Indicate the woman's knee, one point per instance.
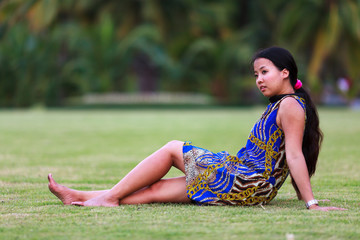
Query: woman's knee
point(174, 149)
point(174, 144)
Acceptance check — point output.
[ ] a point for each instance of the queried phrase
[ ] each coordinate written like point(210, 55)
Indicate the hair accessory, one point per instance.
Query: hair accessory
point(298, 84)
point(311, 202)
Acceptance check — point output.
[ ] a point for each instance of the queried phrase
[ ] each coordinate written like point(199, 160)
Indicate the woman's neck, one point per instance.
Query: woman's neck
point(276, 98)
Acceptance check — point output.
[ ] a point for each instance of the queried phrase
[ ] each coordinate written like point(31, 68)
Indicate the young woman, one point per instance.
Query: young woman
point(286, 139)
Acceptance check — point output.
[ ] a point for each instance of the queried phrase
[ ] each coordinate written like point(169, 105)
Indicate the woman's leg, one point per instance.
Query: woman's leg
point(149, 171)
point(68, 195)
point(165, 190)
point(171, 190)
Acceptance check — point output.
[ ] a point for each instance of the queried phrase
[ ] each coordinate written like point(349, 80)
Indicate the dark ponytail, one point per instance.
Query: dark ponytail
point(313, 136)
point(312, 139)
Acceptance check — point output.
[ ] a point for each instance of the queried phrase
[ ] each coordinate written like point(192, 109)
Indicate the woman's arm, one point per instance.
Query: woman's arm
point(291, 118)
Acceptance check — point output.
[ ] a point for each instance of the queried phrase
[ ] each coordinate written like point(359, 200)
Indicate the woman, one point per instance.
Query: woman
point(285, 139)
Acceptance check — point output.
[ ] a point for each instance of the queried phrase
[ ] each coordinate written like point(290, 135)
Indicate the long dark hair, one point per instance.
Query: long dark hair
point(313, 136)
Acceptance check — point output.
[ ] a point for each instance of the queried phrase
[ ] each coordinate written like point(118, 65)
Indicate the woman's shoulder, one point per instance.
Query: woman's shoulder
point(292, 102)
point(291, 107)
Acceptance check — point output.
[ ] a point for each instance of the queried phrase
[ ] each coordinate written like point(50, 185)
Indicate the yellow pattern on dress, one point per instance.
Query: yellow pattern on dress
point(245, 197)
point(199, 182)
point(270, 153)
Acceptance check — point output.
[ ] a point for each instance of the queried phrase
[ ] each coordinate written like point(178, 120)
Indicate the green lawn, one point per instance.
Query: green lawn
point(94, 149)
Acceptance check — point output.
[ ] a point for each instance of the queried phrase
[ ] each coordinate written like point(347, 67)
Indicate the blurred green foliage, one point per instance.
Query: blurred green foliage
point(52, 50)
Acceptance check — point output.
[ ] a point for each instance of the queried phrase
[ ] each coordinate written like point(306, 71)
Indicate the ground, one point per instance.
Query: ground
point(94, 149)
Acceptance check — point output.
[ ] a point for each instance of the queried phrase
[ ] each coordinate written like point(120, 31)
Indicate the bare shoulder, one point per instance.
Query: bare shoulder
point(291, 105)
point(290, 111)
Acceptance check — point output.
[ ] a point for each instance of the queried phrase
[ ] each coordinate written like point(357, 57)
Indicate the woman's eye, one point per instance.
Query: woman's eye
point(263, 72)
point(255, 76)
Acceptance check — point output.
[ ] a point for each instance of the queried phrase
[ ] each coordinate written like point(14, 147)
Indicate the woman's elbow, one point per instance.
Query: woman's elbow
point(296, 158)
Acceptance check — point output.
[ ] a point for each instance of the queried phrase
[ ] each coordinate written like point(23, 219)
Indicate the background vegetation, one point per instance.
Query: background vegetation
point(52, 50)
point(91, 150)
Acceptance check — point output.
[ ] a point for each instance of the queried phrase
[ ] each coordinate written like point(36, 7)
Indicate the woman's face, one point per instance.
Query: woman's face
point(270, 80)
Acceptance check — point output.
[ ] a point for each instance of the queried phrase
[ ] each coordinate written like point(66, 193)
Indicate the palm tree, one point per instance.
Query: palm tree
point(198, 45)
point(331, 29)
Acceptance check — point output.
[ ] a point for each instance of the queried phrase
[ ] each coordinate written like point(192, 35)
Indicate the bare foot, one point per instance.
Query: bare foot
point(66, 195)
point(103, 200)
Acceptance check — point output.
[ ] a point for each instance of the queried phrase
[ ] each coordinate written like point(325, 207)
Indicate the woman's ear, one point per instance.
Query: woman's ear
point(285, 73)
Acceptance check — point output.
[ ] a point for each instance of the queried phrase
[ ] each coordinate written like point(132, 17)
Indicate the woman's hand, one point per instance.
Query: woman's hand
point(325, 209)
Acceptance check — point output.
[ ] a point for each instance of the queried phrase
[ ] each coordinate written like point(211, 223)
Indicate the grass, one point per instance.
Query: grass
point(94, 149)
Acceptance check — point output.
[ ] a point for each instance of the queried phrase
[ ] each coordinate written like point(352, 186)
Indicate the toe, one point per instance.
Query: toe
point(78, 203)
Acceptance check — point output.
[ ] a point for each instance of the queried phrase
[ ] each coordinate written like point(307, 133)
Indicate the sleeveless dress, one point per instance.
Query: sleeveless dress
point(252, 177)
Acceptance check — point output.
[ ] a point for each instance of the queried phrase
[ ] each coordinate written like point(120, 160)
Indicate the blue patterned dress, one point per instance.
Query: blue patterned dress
point(251, 177)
